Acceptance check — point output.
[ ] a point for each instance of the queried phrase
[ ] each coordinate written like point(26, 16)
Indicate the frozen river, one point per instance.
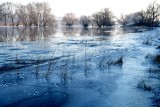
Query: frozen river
point(73, 67)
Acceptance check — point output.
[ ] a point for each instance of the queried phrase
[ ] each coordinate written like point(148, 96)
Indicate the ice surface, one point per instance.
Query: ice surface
point(73, 67)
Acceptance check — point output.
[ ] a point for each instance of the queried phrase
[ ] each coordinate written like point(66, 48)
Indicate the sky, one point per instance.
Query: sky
point(87, 7)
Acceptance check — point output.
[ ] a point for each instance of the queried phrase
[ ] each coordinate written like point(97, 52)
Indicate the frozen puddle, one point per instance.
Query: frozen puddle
point(76, 68)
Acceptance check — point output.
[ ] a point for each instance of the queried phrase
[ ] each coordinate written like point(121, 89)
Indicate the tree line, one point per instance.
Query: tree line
point(32, 14)
point(39, 14)
point(149, 17)
point(102, 18)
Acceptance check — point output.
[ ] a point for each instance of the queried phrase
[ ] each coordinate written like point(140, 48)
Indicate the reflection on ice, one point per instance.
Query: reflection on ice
point(8, 34)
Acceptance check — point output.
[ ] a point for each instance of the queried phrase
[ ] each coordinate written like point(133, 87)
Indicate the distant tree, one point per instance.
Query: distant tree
point(85, 21)
point(1, 14)
point(153, 14)
point(39, 14)
point(103, 18)
point(139, 18)
point(46, 17)
point(50, 20)
point(69, 19)
point(149, 17)
point(23, 14)
point(107, 17)
point(97, 19)
point(53, 21)
point(18, 14)
point(9, 13)
point(12, 14)
point(32, 14)
point(124, 20)
point(6, 9)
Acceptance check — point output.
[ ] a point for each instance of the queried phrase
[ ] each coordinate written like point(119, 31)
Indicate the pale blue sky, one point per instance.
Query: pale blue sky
point(87, 7)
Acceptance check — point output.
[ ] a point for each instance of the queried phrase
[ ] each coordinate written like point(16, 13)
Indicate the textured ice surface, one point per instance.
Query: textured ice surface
point(72, 67)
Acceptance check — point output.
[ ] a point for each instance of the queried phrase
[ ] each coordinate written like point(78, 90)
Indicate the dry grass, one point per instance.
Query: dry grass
point(157, 58)
point(144, 86)
point(37, 64)
point(158, 47)
point(147, 41)
point(118, 61)
point(50, 62)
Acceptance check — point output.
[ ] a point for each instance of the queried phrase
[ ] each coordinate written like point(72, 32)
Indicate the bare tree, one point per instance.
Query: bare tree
point(18, 14)
point(139, 18)
point(103, 18)
point(69, 19)
point(50, 21)
point(47, 19)
point(40, 14)
point(153, 13)
point(23, 14)
point(124, 20)
point(1, 14)
point(12, 14)
point(107, 17)
point(31, 13)
point(6, 9)
point(149, 17)
point(97, 19)
point(85, 21)
point(37, 14)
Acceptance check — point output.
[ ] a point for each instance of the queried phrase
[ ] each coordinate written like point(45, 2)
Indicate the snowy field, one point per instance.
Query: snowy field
point(73, 67)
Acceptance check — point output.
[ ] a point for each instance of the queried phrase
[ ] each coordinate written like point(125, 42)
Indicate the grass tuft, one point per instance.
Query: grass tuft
point(158, 47)
point(116, 62)
point(157, 58)
point(144, 86)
